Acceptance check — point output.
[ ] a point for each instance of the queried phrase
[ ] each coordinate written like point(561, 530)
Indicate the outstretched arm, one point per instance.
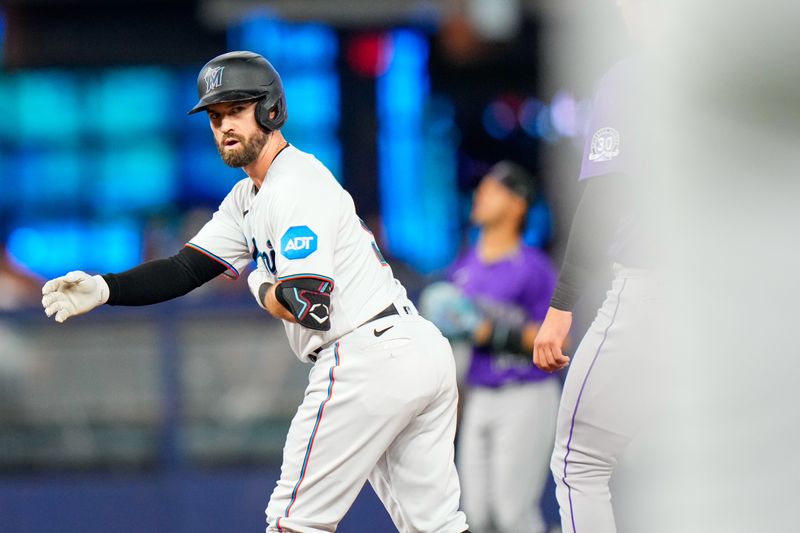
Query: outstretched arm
point(156, 281)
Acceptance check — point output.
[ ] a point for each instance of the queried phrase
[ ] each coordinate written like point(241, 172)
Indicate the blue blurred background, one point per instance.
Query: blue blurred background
point(172, 418)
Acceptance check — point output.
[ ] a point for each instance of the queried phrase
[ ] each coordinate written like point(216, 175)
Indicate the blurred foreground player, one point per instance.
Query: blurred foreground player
point(613, 380)
point(381, 399)
point(508, 422)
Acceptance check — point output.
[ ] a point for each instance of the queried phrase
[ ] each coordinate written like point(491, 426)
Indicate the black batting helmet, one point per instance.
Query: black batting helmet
point(239, 76)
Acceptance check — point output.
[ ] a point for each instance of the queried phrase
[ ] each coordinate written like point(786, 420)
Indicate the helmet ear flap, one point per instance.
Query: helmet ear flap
point(262, 114)
point(263, 110)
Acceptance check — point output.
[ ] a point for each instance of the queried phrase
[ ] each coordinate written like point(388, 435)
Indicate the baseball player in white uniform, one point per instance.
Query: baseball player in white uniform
point(381, 399)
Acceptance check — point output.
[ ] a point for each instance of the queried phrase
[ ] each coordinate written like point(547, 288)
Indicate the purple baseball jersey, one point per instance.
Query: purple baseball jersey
point(516, 290)
point(610, 146)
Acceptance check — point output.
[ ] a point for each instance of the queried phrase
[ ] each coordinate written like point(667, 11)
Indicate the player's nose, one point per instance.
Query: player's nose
point(227, 124)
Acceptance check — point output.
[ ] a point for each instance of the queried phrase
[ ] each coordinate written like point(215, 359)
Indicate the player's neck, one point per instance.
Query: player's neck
point(496, 242)
point(258, 169)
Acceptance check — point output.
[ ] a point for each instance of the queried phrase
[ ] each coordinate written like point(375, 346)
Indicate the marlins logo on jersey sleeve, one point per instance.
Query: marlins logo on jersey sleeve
point(222, 238)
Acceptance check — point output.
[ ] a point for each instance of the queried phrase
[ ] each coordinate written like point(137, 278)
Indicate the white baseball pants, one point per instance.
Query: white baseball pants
point(380, 408)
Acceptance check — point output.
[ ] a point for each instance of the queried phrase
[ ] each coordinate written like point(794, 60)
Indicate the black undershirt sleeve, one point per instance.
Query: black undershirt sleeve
point(593, 227)
point(163, 279)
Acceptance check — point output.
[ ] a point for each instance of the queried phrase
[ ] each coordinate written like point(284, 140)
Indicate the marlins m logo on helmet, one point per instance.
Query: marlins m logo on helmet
point(213, 78)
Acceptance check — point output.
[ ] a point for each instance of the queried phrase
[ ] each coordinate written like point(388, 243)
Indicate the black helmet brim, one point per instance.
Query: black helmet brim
point(222, 97)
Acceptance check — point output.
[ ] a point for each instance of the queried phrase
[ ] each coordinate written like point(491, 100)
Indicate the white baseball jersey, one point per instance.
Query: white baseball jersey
point(302, 223)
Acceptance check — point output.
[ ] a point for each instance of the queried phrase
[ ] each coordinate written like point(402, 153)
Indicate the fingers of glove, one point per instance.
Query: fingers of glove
point(63, 315)
point(50, 310)
point(53, 285)
point(50, 298)
point(59, 307)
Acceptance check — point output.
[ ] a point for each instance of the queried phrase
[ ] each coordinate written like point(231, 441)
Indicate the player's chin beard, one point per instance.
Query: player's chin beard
point(246, 153)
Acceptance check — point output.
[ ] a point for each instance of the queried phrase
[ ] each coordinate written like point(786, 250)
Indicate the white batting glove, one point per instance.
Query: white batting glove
point(74, 294)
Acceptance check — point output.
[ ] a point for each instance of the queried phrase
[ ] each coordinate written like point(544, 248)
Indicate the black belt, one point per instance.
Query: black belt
point(390, 310)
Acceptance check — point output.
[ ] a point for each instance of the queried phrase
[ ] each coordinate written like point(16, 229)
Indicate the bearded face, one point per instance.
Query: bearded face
point(239, 151)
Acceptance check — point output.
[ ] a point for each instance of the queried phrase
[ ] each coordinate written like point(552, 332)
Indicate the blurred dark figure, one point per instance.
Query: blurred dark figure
point(18, 287)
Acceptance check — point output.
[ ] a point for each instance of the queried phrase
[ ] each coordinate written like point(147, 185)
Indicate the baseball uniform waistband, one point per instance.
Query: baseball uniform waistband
point(391, 310)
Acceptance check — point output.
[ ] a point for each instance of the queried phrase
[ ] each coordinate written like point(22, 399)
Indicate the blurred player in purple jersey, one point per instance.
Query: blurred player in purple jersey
point(613, 378)
point(510, 409)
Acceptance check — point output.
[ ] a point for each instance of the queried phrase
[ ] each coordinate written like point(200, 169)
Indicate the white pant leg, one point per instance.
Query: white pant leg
point(416, 478)
point(525, 418)
point(474, 458)
point(381, 484)
point(603, 403)
point(363, 393)
point(321, 473)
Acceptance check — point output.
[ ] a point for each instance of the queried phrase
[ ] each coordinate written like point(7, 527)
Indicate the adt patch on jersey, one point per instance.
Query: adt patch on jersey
point(298, 242)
